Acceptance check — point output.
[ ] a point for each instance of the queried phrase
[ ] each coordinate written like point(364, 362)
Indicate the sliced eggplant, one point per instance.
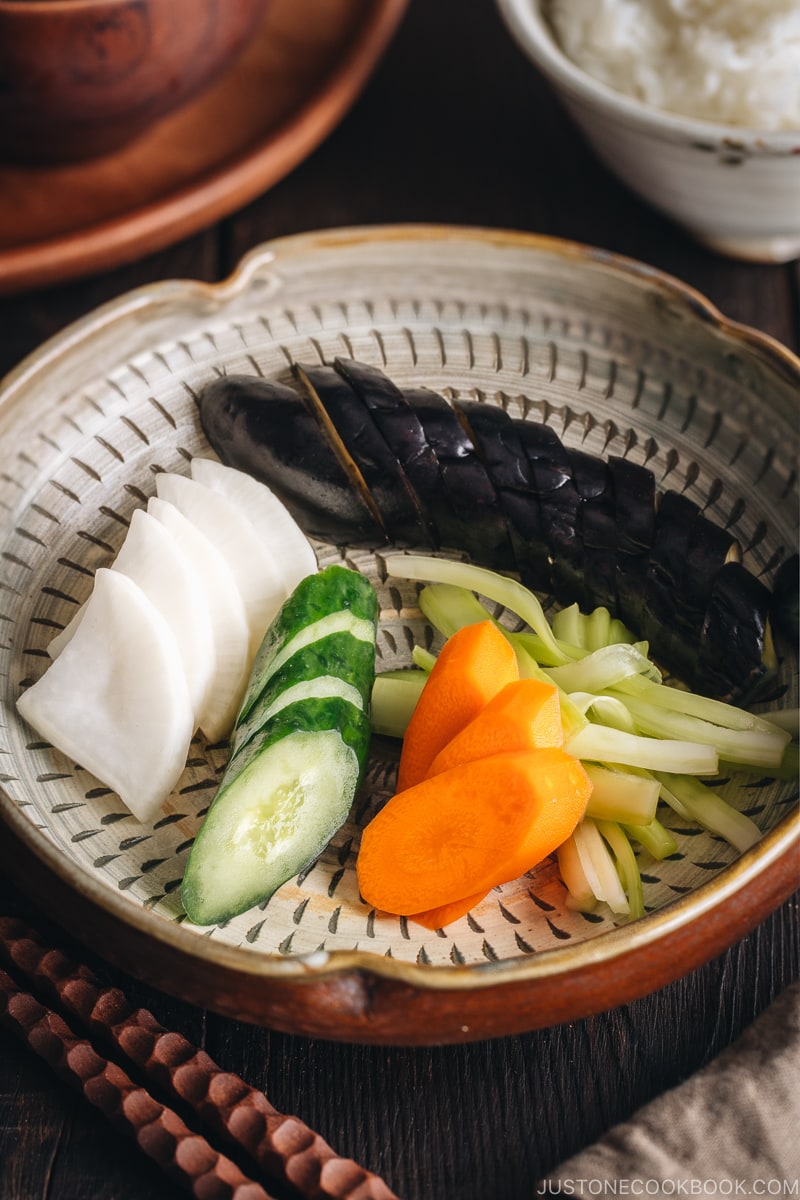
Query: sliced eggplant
point(501, 450)
point(596, 529)
point(635, 517)
point(710, 547)
point(559, 502)
point(339, 408)
point(785, 606)
point(735, 649)
point(402, 429)
point(267, 429)
point(675, 519)
point(469, 516)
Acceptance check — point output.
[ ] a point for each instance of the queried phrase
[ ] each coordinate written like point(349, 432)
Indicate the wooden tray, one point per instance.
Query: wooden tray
point(306, 66)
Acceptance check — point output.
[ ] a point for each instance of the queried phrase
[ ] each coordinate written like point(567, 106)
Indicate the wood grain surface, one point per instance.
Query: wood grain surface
point(454, 127)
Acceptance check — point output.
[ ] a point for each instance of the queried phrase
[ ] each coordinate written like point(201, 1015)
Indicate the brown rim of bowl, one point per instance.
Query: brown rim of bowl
point(776, 853)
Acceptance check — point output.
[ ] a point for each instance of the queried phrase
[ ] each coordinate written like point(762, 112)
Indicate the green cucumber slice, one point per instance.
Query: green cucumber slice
point(298, 749)
point(348, 659)
point(336, 600)
point(282, 799)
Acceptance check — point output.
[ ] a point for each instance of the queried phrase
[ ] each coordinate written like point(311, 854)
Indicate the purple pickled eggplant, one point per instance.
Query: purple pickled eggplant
point(267, 429)
point(347, 419)
point(675, 518)
point(559, 503)
point(500, 448)
point(785, 605)
point(710, 547)
point(635, 518)
point(402, 429)
point(735, 647)
point(470, 517)
point(596, 529)
point(359, 462)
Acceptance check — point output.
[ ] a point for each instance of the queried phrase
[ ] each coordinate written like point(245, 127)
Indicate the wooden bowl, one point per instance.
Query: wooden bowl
point(80, 78)
point(619, 359)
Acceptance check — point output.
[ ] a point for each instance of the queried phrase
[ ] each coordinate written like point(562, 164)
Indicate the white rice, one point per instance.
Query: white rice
point(731, 61)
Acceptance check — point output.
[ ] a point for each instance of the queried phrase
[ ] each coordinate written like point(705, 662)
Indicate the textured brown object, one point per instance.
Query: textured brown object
point(303, 67)
point(283, 1146)
point(82, 79)
point(183, 1155)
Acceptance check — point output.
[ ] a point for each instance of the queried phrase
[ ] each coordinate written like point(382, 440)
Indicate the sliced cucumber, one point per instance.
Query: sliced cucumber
point(345, 661)
point(337, 600)
point(298, 751)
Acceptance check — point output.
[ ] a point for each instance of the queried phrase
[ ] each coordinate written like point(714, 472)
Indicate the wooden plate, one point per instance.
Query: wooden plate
point(619, 359)
point(305, 67)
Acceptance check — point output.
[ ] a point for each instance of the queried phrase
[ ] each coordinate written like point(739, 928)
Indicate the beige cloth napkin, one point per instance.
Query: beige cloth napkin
point(732, 1129)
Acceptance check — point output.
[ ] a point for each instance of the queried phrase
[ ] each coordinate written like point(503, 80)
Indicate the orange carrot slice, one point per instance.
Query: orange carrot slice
point(445, 914)
point(473, 666)
point(524, 715)
point(470, 828)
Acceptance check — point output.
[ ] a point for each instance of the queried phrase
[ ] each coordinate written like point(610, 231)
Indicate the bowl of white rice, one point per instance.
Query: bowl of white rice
point(694, 104)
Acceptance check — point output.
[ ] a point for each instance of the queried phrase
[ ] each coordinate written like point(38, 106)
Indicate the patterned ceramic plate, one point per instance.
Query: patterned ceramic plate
point(619, 360)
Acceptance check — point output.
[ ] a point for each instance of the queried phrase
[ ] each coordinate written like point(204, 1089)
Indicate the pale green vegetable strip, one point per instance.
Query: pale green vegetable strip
point(715, 711)
point(598, 866)
point(534, 646)
point(569, 626)
point(751, 746)
point(653, 837)
point(598, 624)
point(450, 608)
point(580, 897)
point(706, 807)
point(619, 632)
point(602, 668)
point(787, 768)
point(621, 796)
point(602, 744)
point(605, 710)
point(786, 718)
point(508, 592)
point(423, 659)
point(394, 698)
point(627, 866)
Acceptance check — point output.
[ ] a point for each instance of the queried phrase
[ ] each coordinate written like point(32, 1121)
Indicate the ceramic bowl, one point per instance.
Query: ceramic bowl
point(80, 78)
point(619, 360)
point(735, 189)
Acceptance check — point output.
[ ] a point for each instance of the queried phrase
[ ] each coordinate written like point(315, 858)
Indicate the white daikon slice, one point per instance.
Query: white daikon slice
point(116, 700)
point(257, 576)
point(230, 631)
point(152, 558)
point(268, 515)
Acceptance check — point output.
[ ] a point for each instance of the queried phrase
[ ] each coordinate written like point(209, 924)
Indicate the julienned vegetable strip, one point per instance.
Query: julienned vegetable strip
point(627, 867)
point(601, 744)
point(754, 747)
point(707, 808)
point(508, 592)
point(603, 669)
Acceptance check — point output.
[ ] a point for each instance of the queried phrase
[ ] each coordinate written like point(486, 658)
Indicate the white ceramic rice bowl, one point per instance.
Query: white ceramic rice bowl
point(735, 189)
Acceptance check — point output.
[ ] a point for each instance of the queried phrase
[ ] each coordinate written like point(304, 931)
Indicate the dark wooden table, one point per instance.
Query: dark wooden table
point(454, 127)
